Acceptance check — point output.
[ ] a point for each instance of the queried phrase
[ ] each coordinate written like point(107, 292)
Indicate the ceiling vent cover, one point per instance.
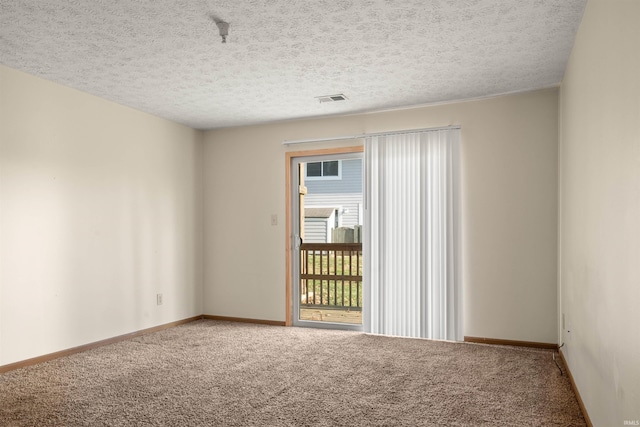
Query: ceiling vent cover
point(331, 98)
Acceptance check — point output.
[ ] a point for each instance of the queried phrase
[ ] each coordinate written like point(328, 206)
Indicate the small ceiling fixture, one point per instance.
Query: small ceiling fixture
point(223, 28)
point(331, 98)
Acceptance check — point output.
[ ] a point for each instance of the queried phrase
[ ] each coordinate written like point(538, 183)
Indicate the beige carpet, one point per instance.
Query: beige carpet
point(210, 373)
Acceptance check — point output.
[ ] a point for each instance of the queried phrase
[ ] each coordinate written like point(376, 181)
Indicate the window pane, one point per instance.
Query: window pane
point(330, 168)
point(314, 169)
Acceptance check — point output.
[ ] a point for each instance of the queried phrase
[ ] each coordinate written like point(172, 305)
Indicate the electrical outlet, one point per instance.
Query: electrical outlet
point(159, 299)
point(274, 219)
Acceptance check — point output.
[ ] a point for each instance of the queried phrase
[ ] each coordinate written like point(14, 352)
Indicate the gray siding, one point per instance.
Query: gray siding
point(351, 181)
point(345, 193)
point(315, 230)
point(352, 202)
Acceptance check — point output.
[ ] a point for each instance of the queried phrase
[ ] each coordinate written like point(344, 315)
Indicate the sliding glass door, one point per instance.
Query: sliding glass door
point(327, 216)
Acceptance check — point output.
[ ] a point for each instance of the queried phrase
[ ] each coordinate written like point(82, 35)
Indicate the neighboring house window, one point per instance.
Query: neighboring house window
point(324, 170)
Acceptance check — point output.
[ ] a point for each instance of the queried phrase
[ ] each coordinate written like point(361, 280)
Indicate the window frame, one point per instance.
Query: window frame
point(324, 177)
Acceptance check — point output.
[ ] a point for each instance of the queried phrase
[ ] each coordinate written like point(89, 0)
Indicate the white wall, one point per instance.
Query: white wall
point(509, 160)
point(600, 211)
point(100, 209)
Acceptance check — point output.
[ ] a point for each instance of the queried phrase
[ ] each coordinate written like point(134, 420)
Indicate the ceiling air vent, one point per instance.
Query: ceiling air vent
point(331, 98)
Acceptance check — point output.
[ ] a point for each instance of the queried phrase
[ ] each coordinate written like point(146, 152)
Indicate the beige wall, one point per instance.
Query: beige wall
point(600, 211)
point(509, 161)
point(100, 209)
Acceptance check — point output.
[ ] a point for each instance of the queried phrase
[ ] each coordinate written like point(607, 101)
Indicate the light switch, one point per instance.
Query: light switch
point(274, 219)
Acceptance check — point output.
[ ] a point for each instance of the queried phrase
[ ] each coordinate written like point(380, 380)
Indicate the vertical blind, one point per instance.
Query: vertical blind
point(412, 279)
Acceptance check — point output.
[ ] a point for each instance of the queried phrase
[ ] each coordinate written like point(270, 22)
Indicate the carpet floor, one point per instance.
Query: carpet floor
point(211, 373)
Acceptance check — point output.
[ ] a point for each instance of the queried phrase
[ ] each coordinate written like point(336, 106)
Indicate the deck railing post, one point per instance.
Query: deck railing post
point(322, 274)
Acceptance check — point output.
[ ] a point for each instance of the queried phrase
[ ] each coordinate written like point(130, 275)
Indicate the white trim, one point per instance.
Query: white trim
point(367, 135)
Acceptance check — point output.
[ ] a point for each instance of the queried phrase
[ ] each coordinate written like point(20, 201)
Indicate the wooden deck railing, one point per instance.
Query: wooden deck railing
point(331, 275)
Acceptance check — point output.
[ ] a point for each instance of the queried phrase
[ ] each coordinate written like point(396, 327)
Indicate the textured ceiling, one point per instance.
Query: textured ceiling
point(165, 56)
